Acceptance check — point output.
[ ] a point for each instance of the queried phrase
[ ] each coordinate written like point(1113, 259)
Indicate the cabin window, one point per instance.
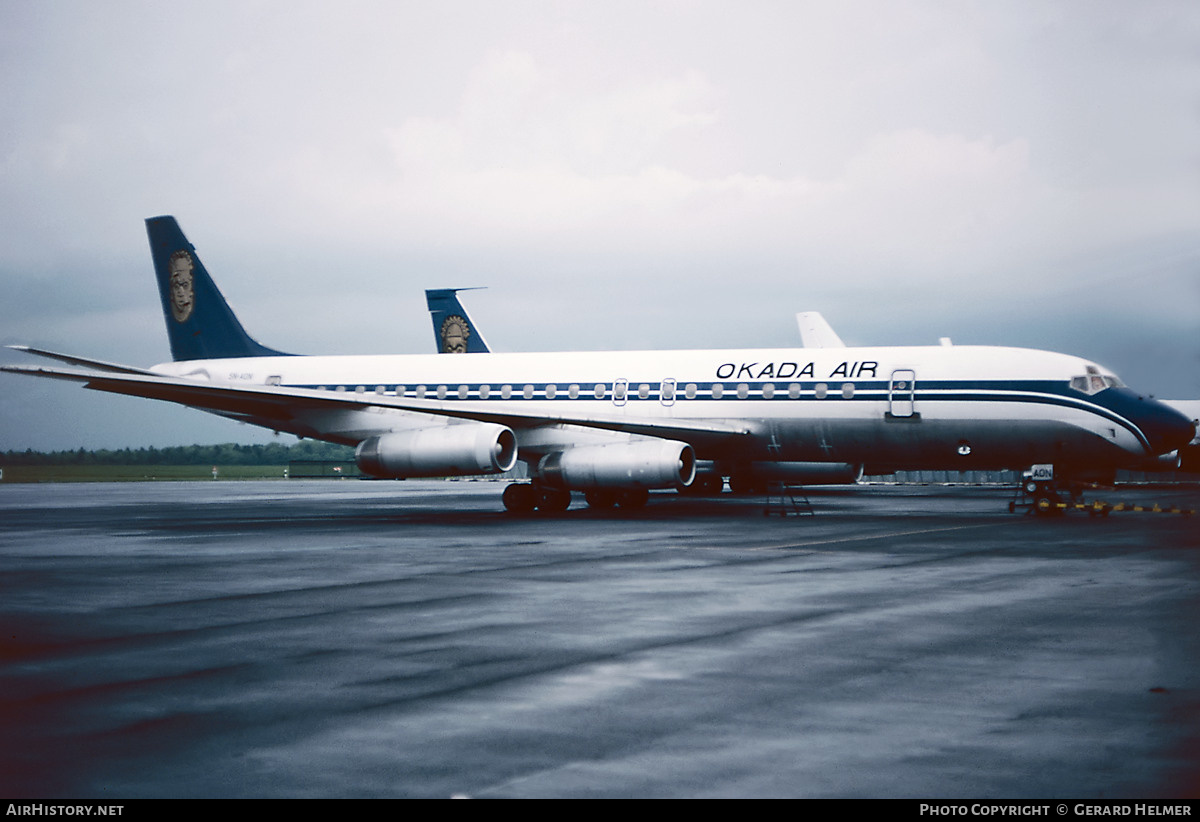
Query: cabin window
point(573, 391)
point(821, 391)
point(551, 390)
point(599, 391)
point(718, 390)
point(484, 391)
point(379, 389)
point(400, 391)
point(441, 392)
point(768, 391)
point(463, 391)
point(275, 379)
point(420, 391)
point(847, 390)
point(527, 392)
point(794, 391)
point(619, 389)
point(689, 391)
point(743, 390)
point(643, 391)
point(505, 392)
point(340, 388)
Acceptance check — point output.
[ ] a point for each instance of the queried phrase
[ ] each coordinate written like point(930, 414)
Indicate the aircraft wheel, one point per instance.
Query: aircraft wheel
point(1047, 505)
point(554, 499)
point(742, 484)
point(633, 498)
point(600, 498)
point(519, 498)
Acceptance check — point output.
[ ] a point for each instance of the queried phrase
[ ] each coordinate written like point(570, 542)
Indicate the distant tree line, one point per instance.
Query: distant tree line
point(224, 454)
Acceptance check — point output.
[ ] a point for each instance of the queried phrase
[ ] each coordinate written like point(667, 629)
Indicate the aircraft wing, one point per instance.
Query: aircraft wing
point(284, 407)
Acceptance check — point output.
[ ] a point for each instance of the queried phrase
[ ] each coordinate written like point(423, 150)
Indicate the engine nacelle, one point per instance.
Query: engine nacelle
point(455, 449)
point(638, 464)
point(1173, 461)
point(808, 473)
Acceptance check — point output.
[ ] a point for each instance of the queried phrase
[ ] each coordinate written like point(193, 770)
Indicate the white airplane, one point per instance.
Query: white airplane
point(614, 425)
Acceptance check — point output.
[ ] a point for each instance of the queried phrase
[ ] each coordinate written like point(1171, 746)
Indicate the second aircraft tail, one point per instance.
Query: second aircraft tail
point(453, 329)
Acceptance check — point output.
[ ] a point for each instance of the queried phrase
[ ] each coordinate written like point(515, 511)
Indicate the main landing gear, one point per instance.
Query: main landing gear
point(527, 497)
point(704, 485)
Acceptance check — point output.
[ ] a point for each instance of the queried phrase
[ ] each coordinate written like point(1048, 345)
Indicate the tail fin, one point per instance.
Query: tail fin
point(816, 332)
point(200, 324)
point(453, 330)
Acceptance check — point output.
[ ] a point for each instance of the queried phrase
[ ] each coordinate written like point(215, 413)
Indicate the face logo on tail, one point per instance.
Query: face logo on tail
point(454, 335)
point(183, 296)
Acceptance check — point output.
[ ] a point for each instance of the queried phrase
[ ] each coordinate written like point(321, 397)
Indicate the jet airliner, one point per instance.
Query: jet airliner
point(614, 425)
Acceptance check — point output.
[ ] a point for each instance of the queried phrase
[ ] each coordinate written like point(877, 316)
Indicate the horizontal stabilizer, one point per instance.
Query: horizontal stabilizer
point(70, 359)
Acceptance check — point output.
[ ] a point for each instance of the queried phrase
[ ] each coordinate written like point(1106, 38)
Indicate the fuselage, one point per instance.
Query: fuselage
point(939, 407)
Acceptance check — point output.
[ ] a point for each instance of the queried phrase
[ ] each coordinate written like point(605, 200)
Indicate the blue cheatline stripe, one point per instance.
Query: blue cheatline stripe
point(1032, 392)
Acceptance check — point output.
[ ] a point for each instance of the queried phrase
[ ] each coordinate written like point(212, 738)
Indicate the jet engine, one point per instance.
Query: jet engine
point(639, 464)
point(455, 449)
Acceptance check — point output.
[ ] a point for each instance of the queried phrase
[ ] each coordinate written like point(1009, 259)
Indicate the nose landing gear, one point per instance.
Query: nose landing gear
point(1042, 495)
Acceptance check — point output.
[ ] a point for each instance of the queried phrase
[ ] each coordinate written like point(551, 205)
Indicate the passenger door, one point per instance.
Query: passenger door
point(901, 393)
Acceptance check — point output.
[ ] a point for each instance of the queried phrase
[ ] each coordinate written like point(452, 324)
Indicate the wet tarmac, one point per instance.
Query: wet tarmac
point(358, 639)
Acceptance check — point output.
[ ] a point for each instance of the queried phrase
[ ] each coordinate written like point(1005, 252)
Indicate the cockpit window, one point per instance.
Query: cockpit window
point(1094, 382)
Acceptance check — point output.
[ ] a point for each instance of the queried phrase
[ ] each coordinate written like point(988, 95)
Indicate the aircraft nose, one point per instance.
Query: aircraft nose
point(1168, 430)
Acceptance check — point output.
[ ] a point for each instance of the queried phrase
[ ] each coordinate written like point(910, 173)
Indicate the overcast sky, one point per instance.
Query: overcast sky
point(619, 175)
